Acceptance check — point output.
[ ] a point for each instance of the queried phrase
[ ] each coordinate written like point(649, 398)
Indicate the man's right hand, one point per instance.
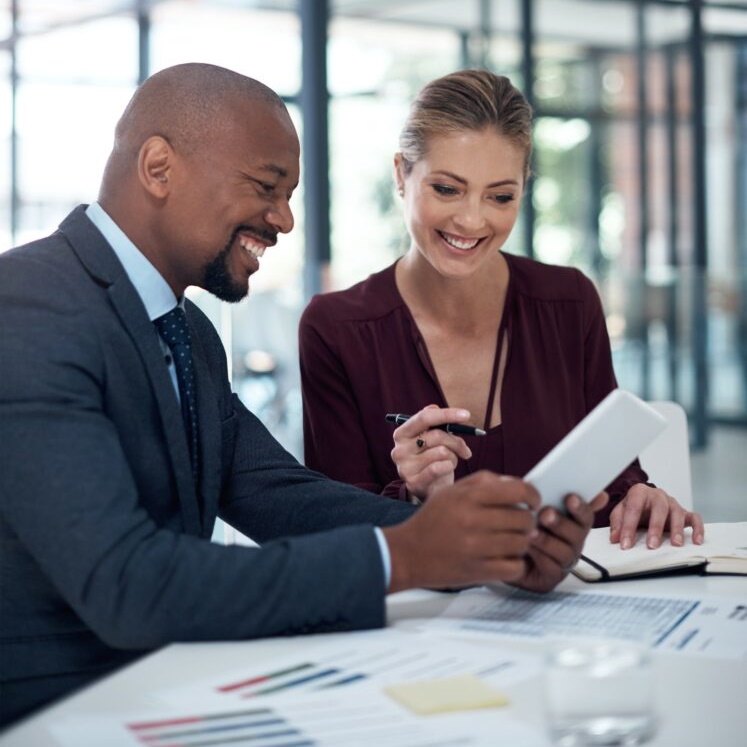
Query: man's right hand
point(475, 531)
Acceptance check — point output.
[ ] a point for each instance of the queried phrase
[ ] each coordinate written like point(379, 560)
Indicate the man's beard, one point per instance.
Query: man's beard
point(216, 278)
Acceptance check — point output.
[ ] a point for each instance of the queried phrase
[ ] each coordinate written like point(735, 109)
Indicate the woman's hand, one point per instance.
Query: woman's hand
point(644, 506)
point(426, 457)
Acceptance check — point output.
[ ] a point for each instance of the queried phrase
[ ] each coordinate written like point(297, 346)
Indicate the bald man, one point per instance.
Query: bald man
point(121, 441)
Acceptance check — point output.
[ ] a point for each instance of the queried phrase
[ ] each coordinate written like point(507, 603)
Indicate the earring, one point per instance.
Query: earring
point(401, 192)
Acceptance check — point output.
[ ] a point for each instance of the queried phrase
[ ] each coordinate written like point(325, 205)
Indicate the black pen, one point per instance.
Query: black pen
point(462, 430)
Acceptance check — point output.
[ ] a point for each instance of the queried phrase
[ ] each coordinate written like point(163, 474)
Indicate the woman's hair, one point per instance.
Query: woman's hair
point(470, 100)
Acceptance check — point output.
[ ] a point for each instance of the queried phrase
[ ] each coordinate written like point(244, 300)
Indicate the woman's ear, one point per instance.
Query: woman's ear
point(154, 165)
point(399, 173)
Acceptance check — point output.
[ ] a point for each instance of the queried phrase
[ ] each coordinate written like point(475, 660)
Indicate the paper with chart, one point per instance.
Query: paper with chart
point(715, 626)
point(367, 720)
point(338, 662)
point(330, 692)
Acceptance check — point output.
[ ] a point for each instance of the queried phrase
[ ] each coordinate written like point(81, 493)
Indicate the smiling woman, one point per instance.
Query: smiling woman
point(458, 330)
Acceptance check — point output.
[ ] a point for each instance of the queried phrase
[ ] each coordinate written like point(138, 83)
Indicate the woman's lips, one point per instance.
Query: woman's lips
point(461, 243)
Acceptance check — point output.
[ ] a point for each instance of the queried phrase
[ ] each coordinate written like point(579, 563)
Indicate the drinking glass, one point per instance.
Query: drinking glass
point(599, 690)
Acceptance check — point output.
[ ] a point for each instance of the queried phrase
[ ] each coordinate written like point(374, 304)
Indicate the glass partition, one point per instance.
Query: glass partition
point(614, 191)
point(6, 127)
point(63, 141)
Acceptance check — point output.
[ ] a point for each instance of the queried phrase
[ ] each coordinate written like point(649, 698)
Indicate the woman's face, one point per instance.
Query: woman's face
point(461, 199)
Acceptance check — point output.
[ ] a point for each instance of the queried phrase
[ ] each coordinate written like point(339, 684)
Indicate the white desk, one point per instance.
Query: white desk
point(702, 702)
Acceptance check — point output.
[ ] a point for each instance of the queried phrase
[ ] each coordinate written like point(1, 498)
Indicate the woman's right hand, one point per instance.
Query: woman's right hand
point(426, 456)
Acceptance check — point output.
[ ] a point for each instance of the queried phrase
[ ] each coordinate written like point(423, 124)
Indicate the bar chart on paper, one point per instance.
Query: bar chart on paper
point(333, 696)
point(354, 659)
point(311, 720)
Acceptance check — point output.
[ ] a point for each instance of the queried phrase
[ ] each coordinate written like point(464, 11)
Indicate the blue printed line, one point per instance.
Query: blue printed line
point(676, 624)
point(688, 638)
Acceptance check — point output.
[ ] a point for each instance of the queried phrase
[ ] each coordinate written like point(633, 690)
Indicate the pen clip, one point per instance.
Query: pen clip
point(397, 417)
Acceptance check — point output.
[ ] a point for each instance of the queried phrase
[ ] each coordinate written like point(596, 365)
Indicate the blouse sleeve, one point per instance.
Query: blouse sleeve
point(599, 381)
point(335, 441)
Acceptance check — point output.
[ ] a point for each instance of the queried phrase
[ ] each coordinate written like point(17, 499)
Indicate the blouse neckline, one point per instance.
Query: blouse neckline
point(422, 348)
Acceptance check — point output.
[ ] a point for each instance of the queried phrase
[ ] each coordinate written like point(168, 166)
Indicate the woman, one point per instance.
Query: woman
point(462, 332)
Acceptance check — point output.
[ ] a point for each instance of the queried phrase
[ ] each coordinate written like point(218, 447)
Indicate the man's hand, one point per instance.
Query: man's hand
point(644, 506)
point(556, 544)
point(476, 531)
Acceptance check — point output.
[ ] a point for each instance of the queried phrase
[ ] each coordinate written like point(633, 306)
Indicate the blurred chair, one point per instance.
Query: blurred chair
point(667, 458)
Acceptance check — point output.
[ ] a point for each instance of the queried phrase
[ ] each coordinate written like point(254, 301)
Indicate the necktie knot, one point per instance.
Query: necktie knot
point(173, 327)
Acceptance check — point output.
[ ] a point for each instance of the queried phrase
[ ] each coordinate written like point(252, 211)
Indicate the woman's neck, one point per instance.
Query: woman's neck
point(466, 304)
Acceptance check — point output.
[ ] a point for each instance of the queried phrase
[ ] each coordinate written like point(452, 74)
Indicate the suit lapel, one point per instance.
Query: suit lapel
point(210, 434)
point(101, 262)
point(144, 336)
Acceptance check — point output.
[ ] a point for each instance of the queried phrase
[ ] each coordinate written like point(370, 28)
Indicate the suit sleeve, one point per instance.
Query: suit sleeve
point(599, 381)
point(335, 434)
point(272, 493)
point(69, 501)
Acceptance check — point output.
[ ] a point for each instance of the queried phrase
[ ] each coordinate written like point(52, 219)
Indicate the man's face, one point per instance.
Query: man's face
point(230, 201)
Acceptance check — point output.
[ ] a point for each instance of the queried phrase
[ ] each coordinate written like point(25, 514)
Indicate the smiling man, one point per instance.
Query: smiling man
point(121, 441)
point(212, 160)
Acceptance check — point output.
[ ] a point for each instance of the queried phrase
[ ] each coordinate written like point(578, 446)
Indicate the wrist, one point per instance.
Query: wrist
point(414, 499)
point(409, 495)
point(400, 553)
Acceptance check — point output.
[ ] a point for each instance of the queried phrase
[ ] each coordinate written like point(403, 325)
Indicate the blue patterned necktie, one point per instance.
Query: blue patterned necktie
point(174, 331)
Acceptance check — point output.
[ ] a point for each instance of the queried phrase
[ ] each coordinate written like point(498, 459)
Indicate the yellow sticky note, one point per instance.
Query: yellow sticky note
point(463, 693)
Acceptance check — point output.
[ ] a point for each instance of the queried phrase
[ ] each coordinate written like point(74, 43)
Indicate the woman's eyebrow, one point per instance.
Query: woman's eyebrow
point(462, 180)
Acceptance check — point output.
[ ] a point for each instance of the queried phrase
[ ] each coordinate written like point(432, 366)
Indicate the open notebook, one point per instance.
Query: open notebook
point(723, 551)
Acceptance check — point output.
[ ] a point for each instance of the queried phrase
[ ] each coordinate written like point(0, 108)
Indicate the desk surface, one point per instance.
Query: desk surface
point(701, 701)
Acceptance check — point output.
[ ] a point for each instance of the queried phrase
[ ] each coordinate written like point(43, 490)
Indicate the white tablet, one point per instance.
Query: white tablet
point(597, 450)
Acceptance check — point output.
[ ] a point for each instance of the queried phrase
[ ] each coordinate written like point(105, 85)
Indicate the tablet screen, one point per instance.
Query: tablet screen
point(597, 450)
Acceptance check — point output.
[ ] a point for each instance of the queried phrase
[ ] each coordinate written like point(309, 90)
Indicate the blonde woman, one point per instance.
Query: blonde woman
point(459, 331)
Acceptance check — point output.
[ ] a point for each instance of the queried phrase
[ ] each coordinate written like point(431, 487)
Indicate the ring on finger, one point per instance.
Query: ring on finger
point(420, 442)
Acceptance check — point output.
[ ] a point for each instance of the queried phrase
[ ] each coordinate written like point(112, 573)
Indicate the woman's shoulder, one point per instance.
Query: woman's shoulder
point(549, 282)
point(371, 298)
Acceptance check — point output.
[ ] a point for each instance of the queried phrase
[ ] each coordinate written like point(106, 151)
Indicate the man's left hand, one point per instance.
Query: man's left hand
point(557, 541)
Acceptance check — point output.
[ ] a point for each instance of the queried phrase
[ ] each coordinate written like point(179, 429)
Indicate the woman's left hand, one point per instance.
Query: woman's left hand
point(644, 506)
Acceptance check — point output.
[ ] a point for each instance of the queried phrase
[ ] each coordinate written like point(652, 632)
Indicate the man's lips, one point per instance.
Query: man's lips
point(255, 242)
point(255, 248)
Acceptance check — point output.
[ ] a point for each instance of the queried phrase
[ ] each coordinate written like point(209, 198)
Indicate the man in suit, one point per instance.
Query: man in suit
point(115, 459)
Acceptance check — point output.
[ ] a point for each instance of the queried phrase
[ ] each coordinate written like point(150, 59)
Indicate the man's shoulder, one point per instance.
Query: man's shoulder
point(37, 250)
point(51, 253)
point(44, 267)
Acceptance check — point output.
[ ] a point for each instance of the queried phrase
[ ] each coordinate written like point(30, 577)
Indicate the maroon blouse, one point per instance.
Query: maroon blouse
point(362, 355)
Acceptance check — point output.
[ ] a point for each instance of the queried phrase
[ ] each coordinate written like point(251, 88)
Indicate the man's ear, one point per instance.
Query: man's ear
point(154, 165)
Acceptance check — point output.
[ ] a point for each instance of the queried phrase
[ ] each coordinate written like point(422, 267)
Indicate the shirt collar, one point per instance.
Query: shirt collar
point(153, 290)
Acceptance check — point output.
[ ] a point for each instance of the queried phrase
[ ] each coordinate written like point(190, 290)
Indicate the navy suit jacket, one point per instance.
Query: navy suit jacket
point(105, 540)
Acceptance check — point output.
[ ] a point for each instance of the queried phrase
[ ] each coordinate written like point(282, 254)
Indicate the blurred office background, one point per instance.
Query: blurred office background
point(640, 166)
